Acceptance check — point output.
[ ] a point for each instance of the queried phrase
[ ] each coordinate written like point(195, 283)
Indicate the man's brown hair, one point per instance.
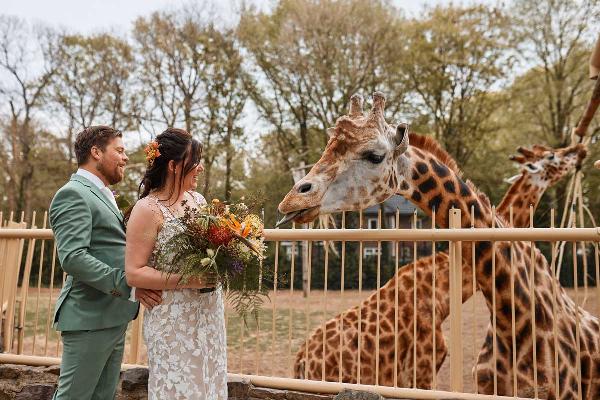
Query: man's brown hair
point(98, 136)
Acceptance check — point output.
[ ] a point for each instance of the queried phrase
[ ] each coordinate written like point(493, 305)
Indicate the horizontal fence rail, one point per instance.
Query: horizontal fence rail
point(340, 295)
point(390, 235)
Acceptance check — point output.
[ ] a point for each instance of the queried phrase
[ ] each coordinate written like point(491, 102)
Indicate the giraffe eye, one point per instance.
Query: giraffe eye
point(373, 158)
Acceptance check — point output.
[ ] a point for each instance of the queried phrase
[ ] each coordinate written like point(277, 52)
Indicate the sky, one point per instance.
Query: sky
point(89, 16)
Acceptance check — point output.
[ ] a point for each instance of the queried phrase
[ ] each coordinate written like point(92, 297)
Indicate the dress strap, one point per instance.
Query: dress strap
point(167, 214)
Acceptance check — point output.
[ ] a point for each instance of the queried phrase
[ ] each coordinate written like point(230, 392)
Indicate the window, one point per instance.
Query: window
point(288, 248)
point(372, 223)
point(406, 252)
point(392, 221)
point(370, 251)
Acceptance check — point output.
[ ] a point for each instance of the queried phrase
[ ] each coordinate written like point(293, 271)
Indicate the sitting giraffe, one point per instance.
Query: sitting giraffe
point(541, 168)
point(366, 155)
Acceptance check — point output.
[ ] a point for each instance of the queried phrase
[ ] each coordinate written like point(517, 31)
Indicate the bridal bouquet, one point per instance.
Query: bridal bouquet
point(225, 239)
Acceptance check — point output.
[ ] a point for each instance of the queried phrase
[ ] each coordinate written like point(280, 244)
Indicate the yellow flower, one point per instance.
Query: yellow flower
point(255, 224)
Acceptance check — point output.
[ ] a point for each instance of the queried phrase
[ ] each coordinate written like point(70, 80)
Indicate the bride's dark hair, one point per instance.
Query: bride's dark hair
point(173, 144)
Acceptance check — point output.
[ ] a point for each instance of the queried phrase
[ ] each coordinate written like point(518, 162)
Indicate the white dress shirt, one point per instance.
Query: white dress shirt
point(109, 195)
point(98, 182)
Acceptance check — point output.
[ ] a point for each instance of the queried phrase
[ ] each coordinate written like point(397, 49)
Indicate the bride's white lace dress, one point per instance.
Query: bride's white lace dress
point(185, 336)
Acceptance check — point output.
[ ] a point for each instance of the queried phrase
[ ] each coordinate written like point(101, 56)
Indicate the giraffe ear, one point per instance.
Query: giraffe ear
point(330, 132)
point(401, 138)
point(512, 179)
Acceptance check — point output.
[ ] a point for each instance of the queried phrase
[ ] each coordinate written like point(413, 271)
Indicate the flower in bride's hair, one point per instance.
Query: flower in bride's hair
point(152, 152)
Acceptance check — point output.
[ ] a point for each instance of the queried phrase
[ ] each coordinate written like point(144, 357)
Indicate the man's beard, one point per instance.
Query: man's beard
point(112, 176)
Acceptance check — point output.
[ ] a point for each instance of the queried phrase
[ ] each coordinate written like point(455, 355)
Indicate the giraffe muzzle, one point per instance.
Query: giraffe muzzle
point(308, 213)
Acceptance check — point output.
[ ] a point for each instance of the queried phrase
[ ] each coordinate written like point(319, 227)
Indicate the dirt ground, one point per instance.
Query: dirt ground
point(257, 348)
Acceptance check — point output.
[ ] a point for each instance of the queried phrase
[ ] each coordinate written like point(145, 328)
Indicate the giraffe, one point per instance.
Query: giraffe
point(366, 161)
point(541, 167)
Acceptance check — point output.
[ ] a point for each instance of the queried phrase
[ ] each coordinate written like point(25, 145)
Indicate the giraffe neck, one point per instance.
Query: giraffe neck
point(433, 187)
point(515, 198)
point(523, 196)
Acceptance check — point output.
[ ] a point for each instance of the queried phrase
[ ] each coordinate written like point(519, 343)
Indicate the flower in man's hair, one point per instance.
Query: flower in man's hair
point(152, 152)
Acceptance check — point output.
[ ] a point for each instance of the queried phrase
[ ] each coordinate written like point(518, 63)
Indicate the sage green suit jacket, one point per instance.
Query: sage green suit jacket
point(90, 239)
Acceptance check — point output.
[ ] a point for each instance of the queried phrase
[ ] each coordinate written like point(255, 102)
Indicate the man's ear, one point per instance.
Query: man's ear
point(96, 153)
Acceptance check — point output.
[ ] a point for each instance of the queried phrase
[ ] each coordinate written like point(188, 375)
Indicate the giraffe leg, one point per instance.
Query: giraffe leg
point(300, 362)
point(483, 371)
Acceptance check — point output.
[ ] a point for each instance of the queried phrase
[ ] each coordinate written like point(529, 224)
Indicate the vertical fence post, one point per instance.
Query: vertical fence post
point(456, 356)
point(305, 261)
point(24, 294)
point(136, 335)
point(11, 263)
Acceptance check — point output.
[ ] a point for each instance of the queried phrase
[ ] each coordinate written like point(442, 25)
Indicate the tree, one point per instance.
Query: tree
point(453, 59)
point(556, 37)
point(228, 86)
point(92, 85)
point(21, 90)
point(191, 74)
point(310, 57)
point(555, 41)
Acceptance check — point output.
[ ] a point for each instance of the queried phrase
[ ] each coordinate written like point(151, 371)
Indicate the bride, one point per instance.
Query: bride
point(185, 330)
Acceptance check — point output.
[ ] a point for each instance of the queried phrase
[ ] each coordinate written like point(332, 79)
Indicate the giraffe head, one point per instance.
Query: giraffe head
point(361, 148)
point(545, 165)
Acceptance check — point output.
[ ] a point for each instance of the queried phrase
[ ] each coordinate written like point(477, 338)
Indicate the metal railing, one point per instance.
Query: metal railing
point(263, 351)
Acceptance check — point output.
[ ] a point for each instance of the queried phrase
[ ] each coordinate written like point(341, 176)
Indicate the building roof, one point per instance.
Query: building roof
point(391, 205)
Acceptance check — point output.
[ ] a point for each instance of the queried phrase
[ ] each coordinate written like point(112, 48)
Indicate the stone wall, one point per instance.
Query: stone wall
point(19, 382)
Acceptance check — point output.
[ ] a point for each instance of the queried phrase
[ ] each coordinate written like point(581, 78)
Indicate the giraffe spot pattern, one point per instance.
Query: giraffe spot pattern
point(449, 186)
point(427, 185)
point(440, 169)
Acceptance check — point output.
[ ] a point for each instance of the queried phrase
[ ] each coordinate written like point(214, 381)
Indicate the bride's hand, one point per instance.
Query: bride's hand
point(207, 280)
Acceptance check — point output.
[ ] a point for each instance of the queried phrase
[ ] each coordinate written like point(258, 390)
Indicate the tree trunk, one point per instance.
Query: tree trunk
point(228, 159)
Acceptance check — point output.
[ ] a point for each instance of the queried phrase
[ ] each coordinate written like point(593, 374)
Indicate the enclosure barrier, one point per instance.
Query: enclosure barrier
point(31, 280)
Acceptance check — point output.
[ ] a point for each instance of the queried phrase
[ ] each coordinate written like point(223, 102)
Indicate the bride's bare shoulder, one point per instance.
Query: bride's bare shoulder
point(146, 208)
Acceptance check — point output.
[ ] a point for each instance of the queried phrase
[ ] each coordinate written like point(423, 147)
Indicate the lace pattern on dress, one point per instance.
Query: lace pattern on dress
point(185, 336)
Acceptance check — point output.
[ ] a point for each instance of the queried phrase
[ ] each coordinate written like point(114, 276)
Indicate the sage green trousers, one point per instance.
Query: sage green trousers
point(91, 364)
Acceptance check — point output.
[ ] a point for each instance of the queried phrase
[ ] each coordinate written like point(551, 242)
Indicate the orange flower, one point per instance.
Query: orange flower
point(232, 223)
point(152, 152)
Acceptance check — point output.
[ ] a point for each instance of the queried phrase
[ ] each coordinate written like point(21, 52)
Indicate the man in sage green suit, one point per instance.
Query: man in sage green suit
point(94, 306)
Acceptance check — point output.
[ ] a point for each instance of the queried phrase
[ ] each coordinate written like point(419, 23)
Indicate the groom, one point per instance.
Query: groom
point(94, 306)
